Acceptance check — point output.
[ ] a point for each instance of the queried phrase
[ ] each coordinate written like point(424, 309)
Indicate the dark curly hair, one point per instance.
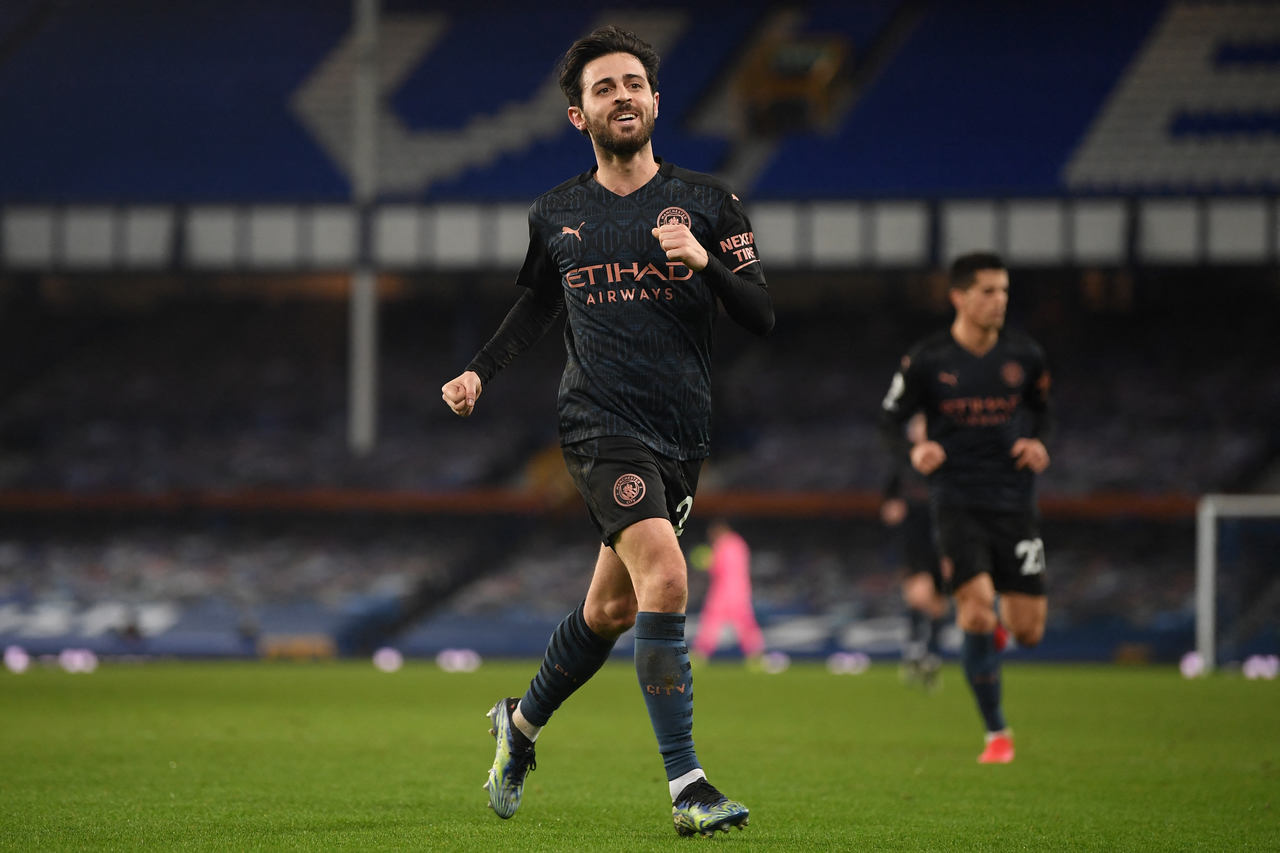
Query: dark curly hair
point(606, 40)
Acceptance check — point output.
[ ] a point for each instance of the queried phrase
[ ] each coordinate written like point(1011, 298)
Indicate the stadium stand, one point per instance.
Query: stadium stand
point(1195, 109)
point(959, 123)
point(159, 102)
point(256, 395)
point(206, 102)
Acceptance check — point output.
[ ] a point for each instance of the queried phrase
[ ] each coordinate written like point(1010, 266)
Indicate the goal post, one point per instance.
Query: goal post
point(1210, 510)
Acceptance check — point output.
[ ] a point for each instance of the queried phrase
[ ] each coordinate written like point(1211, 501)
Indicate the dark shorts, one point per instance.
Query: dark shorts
point(919, 551)
point(1005, 545)
point(623, 481)
point(914, 544)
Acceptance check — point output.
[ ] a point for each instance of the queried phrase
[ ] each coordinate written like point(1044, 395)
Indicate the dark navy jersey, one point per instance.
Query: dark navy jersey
point(639, 327)
point(976, 407)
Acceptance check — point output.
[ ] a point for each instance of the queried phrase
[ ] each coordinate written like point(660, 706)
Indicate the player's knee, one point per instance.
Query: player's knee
point(975, 611)
point(976, 620)
point(665, 589)
point(1028, 636)
point(918, 591)
point(611, 619)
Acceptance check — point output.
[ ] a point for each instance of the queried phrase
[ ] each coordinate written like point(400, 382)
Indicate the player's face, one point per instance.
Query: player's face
point(985, 302)
point(618, 107)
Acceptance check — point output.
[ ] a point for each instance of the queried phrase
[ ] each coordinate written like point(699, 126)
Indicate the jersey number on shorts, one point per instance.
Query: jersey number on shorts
point(1031, 552)
point(683, 509)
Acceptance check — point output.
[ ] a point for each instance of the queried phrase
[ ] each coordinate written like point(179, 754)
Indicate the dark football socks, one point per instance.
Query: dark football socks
point(574, 654)
point(982, 669)
point(917, 633)
point(662, 667)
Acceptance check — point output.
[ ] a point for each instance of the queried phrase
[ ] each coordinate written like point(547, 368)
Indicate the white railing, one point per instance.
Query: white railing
point(902, 233)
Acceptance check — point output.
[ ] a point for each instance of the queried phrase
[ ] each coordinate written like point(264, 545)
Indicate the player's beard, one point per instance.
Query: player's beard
point(606, 136)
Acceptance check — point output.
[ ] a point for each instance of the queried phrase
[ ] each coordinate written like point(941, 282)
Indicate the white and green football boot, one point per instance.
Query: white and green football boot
point(511, 763)
point(701, 810)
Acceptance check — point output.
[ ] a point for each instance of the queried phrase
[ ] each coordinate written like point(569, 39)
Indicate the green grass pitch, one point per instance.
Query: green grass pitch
point(340, 756)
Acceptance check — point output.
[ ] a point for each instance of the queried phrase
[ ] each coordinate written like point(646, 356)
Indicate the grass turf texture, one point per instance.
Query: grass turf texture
point(339, 756)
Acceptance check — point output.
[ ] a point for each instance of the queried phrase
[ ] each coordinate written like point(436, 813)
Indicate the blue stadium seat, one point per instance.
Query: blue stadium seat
point(142, 100)
point(984, 98)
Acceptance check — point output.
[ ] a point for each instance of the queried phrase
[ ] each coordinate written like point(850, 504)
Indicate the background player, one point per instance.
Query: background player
point(728, 599)
point(640, 254)
point(985, 394)
point(905, 512)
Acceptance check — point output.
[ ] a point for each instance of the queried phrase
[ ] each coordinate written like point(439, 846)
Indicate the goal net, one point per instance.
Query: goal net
point(1237, 577)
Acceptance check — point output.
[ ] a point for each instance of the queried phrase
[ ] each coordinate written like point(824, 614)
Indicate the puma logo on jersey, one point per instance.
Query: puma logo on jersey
point(947, 378)
point(577, 232)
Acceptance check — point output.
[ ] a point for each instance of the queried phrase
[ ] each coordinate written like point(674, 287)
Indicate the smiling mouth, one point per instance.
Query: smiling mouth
point(625, 117)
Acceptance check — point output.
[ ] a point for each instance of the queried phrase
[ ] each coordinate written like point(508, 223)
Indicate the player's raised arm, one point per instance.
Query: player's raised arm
point(904, 399)
point(735, 272)
point(526, 322)
point(1031, 451)
point(747, 302)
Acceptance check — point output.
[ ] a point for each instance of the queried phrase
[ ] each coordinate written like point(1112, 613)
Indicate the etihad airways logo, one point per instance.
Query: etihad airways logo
point(616, 272)
point(647, 277)
point(980, 411)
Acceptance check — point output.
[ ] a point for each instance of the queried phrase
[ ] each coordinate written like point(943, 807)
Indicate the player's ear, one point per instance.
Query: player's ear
point(655, 104)
point(577, 119)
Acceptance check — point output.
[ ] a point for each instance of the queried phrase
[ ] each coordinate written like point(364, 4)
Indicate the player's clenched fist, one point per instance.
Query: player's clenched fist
point(680, 245)
point(1030, 453)
point(460, 394)
point(927, 457)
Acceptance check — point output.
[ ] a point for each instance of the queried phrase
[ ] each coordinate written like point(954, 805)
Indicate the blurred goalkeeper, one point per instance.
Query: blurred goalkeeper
point(640, 255)
point(728, 599)
point(985, 394)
